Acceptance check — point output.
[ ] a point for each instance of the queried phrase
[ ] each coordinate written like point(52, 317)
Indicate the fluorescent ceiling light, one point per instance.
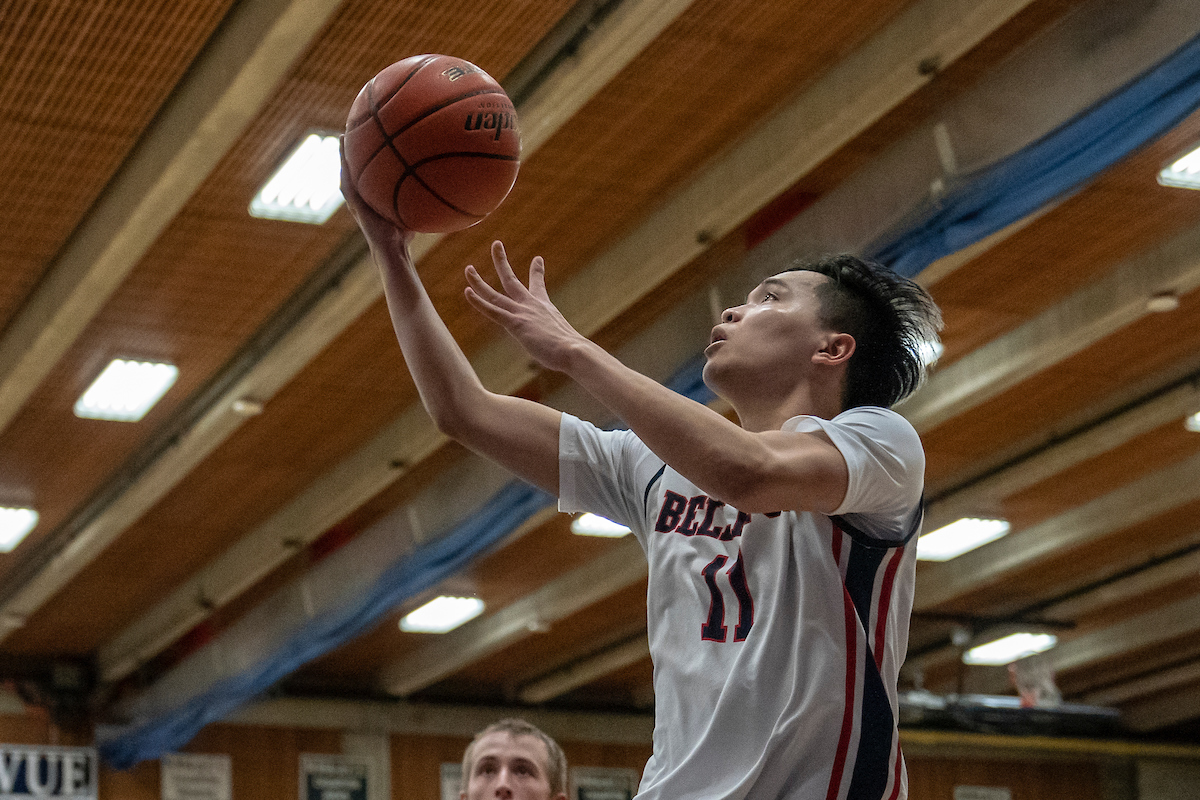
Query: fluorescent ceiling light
point(592, 525)
point(1184, 173)
point(959, 537)
point(126, 390)
point(442, 614)
point(1192, 423)
point(1009, 649)
point(307, 187)
point(15, 523)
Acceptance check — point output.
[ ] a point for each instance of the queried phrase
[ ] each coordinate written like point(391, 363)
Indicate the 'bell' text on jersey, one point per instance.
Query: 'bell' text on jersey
point(776, 638)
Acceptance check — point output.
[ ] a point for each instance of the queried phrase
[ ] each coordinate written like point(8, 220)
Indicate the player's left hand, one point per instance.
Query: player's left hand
point(525, 312)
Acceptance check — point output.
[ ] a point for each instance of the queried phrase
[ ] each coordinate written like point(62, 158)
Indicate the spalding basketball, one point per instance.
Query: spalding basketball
point(432, 143)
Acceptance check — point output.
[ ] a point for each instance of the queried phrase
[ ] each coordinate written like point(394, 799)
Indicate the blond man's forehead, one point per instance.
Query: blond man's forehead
point(503, 741)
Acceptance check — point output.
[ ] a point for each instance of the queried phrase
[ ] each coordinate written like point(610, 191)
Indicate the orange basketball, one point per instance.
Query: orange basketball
point(432, 143)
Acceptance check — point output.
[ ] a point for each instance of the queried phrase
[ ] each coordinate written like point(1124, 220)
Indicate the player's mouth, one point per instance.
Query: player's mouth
point(717, 336)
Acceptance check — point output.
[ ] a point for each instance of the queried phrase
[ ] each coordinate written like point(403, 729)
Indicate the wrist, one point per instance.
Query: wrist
point(584, 359)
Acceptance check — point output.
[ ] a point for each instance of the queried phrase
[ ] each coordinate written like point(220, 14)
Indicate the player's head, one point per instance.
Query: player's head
point(512, 758)
point(891, 319)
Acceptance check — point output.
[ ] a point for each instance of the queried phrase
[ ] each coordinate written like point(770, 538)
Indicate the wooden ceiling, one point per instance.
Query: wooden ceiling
point(672, 149)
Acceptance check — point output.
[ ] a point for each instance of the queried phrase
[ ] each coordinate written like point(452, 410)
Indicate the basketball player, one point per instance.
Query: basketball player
point(781, 550)
point(513, 760)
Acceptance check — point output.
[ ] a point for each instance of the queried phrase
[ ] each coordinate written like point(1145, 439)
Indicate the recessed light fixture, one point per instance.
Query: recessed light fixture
point(126, 390)
point(959, 537)
point(1009, 649)
point(1162, 303)
point(1184, 173)
point(593, 525)
point(15, 524)
point(442, 614)
point(307, 187)
point(247, 407)
point(1192, 423)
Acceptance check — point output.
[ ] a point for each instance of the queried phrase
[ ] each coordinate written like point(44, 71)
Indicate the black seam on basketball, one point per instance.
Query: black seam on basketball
point(389, 142)
point(374, 109)
point(463, 154)
point(428, 188)
point(447, 104)
point(375, 106)
point(424, 63)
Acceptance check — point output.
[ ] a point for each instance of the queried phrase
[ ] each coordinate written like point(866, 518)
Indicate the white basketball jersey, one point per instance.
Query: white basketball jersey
point(776, 638)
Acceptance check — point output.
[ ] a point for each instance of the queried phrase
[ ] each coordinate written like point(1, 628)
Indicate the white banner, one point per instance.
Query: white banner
point(47, 773)
point(327, 777)
point(982, 793)
point(196, 776)
point(603, 783)
point(451, 779)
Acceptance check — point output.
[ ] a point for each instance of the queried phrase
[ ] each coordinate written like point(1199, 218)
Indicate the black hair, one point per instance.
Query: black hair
point(891, 318)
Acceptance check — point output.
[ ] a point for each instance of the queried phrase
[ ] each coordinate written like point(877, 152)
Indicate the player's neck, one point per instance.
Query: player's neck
point(758, 413)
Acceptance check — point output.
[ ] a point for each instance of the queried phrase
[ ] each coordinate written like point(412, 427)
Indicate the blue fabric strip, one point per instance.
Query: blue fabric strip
point(421, 569)
point(1057, 165)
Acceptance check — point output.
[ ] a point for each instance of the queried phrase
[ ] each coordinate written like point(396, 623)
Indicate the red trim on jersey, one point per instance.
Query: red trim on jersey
point(885, 600)
point(896, 774)
point(839, 761)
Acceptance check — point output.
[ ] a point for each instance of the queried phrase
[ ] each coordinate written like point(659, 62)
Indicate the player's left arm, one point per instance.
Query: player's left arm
point(751, 471)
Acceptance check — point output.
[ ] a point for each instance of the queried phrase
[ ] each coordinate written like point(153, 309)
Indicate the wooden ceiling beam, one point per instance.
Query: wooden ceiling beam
point(230, 81)
point(1104, 306)
point(1144, 632)
point(1135, 502)
point(853, 95)
point(622, 566)
point(1131, 588)
point(979, 496)
point(1164, 710)
point(1161, 625)
point(1123, 590)
point(1146, 685)
point(586, 670)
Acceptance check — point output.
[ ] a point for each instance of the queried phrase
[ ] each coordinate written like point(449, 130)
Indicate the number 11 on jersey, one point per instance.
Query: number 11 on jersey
point(713, 629)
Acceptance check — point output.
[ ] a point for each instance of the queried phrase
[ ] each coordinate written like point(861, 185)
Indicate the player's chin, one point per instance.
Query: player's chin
point(712, 376)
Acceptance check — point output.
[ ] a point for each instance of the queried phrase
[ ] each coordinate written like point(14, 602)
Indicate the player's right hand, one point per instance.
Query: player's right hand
point(389, 242)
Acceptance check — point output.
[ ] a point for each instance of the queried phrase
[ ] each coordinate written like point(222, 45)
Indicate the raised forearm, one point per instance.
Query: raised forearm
point(443, 376)
point(698, 442)
point(751, 471)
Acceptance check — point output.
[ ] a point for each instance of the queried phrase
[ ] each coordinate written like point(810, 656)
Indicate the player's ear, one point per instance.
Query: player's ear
point(836, 349)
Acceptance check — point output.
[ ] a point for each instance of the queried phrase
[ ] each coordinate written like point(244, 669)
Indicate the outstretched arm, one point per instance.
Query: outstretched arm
point(519, 434)
point(752, 471)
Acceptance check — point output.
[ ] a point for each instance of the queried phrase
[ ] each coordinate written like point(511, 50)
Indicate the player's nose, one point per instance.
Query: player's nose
point(731, 314)
point(504, 784)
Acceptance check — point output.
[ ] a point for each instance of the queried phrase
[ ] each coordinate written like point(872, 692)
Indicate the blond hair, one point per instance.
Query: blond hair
point(556, 760)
